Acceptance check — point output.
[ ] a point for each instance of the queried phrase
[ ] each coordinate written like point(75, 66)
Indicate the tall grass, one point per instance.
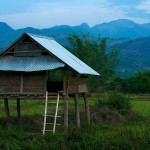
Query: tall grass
point(96, 136)
point(110, 129)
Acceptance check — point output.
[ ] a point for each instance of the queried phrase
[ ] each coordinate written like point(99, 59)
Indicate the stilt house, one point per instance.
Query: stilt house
point(25, 64)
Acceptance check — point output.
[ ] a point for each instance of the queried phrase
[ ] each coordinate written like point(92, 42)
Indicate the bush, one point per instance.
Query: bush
point(115, 101)
point(138, 83)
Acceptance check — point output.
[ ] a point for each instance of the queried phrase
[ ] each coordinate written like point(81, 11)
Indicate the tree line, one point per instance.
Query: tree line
point(138, 83)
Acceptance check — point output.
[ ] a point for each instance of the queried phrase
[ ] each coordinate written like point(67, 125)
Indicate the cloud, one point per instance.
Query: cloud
point(144, 5)
point(125, 2)
point(71, 13)
point(47, 14)
point(135, 10)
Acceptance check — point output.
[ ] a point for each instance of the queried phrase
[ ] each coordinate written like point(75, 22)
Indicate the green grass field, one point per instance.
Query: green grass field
point(142, 107)
point(132, 132)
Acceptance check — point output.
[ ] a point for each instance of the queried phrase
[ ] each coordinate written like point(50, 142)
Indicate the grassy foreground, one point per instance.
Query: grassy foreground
point(112, 131)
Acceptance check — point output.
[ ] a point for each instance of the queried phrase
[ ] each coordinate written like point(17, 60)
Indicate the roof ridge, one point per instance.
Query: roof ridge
point(40, 36)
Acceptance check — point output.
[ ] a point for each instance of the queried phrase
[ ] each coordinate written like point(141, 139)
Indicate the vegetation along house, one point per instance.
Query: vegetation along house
point(27, 71)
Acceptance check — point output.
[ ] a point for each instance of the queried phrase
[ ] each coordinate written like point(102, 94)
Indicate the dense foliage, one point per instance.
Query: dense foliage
point(115, 101)
point(94, 53)
point(139, 83)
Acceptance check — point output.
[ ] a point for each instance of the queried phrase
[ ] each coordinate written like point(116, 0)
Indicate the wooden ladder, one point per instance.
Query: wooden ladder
point(55, 116)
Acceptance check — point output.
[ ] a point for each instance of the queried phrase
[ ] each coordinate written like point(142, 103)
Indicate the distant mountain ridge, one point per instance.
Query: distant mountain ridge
point(5, 29)
point(134, 55)
point(121, 28)
point(131, 37)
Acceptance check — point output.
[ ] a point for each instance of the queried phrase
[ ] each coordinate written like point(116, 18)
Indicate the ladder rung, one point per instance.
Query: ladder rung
point(52, 109)
point(55, 93)
point(58, 124)
point(49, 123)
point(50, 102)
point(50, 97)
point(60, 104)
point(51, 116)
point(53, 103)
point(52, 93)
point(46, 130)
point(53, 124)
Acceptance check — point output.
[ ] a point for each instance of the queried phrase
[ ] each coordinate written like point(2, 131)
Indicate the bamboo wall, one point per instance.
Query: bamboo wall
point(76, 85)
point(22, 83)
point(9, 82)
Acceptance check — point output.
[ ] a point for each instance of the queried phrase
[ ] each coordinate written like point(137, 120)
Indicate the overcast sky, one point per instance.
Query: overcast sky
point(48, 13)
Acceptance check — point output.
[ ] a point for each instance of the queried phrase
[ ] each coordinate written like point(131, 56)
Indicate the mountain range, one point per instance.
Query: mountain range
point(131, 38)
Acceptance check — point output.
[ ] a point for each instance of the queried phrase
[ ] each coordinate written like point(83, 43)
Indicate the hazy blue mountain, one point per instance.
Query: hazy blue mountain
point(59, 33)
point(120, 29)
point(5, 29)
point(115, 29)
point(134, 55)
point(146, 26)
point(83, 28)
point(133, 40)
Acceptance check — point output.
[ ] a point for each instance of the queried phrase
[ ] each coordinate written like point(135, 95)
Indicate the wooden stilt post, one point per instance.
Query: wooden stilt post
point(18, 111)
point(6, 106)
point(87, 107)
point(65, 113)
point(65, 91)
point(77, 111)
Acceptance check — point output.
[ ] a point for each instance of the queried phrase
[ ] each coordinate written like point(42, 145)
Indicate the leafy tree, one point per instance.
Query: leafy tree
point(94, 53)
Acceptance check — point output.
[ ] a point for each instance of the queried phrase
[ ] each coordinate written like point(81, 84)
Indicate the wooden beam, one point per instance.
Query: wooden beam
point(65, 113)
point(77, 111)
point(65, 93)
point(6, 106)
point(45, 83)
point(21, 83)
point(87, 107)
point(64, 84)
point(18, 112)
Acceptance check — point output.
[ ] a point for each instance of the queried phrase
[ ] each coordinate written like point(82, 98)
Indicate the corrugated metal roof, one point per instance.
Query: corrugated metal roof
point(29, 64)
point(64, 55)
